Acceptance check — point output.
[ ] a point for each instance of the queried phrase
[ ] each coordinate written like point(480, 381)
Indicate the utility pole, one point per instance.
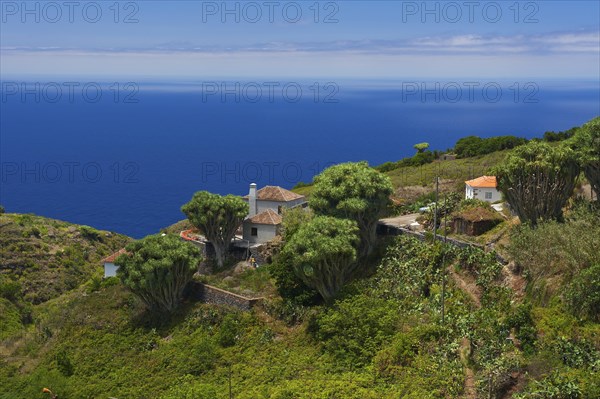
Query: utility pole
point(230, 394)
point(444, 256)
point(435, 208)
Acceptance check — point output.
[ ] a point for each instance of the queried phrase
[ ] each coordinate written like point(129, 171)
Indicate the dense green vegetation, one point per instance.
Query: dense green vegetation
point(473, 146)
point(378, 339)
point(419, 320)
point(41, 259)
point(586, 143)
point(322, 253)
point(537, 180)
point(157, 269)
point(356, 192)
point(217, 217)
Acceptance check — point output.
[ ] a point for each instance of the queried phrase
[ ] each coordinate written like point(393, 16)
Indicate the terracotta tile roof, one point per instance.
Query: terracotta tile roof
point(113, 257)
point(477, 214)
point(267, 217)
point(483, 182)
point(276, 193)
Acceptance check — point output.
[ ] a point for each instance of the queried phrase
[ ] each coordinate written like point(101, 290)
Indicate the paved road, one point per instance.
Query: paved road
point(400, 221)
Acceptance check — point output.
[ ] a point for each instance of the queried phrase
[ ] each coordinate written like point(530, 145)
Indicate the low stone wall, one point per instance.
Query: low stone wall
point(217, 296)
point(387, 230)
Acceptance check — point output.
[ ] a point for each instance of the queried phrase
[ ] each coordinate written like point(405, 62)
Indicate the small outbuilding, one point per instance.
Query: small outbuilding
point(475, 221)
point(110, 268)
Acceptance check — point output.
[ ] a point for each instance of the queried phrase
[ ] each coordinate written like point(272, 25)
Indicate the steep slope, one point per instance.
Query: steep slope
point(42, 258)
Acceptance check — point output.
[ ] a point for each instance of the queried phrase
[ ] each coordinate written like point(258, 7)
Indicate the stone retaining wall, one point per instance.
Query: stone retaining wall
point(217, 296)
point(387, 230)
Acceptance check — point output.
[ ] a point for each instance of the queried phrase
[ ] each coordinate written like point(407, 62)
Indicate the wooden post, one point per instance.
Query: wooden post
point(230, 393)
point(435, 208)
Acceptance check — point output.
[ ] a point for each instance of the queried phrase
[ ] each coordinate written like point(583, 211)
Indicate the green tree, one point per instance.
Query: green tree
point(323, 253)
point(217, 217)
point(157, 269)
point(471, 146)
point(537, 179)
point(353, 191)
point(1, 210)
point(421, 147)
point(468, 146)
point(293, 218)
point(289, 285)
point(587, 143)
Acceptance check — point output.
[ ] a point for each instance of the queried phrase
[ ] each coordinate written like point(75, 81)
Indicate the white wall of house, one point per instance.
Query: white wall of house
point(469, 192)
point(484, 194)
point(264, 232)
point(110, 269)
point(262, 205)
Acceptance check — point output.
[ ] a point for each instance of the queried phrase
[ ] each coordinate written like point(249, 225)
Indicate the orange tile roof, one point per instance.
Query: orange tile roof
point(276, 193)
point(113, 257)
point(483, 182)
point(267, 217)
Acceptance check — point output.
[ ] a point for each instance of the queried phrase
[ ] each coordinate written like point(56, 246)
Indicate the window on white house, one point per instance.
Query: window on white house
point(253, 231)
point(488, 195)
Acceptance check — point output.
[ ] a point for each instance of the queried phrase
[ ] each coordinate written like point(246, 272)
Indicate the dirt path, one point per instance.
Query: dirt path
point(469, 287)
point(469, 386)
point(465, 345)
point(515, 281)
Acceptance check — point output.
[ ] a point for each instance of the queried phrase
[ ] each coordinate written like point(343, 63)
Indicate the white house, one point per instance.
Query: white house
point(110, 268)
point(266, 205)
point(262, 227)
point(484, 188)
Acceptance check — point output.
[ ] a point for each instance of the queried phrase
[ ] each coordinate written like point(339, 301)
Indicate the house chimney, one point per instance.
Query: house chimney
point(252, 199)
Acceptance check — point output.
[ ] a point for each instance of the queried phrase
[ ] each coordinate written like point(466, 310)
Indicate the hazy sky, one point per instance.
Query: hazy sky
point(345, 39)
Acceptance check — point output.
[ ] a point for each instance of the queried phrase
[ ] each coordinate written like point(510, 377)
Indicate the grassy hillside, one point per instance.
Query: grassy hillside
point(412, 181)
point(382, 338)
point(457, 170)
point(99, 344)
point(42, 258)
point(423, 321)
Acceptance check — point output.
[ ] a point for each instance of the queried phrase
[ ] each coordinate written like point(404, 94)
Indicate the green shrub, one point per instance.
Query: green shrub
point(289, 311)
point(9, 289)
point(188, 387)
point(387, 166)
point(229, 331)
point(555, 386)
point(288, 284)
point(64, 364)
point(355, 328)
point(32, 232)
point(552, 136)
point(110, 281)
point(520, 319)
point(473, 146)
point(10, 319)
point(583, 294)
point(553, 253)
point(90, 233)
point(301, 184)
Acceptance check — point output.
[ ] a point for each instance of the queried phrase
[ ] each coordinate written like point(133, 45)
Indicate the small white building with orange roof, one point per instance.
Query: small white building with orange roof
point(110, 268)
point(484, 188)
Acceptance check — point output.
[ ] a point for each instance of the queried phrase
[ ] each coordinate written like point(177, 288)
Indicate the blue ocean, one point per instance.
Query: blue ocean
point(124, 156)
